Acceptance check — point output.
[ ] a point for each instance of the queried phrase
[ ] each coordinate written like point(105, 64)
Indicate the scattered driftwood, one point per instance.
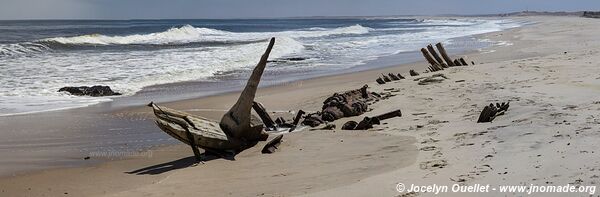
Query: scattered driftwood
point(233, 134)
point(264, 116)
point(95, 91)
point(413, 73)
point(490, 112)
point(442, 51)
point(437, 78)
point(367, 122)
point(347, 104)
point(272, 145)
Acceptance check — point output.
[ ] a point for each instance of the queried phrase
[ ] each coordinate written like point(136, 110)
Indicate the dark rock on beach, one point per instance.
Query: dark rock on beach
point(95, 91)
point(291, 59)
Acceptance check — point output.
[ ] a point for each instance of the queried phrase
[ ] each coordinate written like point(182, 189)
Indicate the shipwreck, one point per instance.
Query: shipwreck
point(233, 134)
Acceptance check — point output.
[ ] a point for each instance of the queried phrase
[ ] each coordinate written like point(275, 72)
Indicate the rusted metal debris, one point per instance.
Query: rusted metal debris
point(272, 145)
point(490, 112)
point(340, 105)
point(350, 103)
point(350, 125)
point(436, 78)
point(313, 119)
point(392, 114)
point(368, 122)
point(413, 73)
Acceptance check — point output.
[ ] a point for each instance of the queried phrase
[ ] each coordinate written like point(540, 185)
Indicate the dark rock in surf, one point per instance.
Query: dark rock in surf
point(291, 59)
point(95, 91)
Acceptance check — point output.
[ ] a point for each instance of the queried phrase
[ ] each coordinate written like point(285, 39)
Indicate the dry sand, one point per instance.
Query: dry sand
point(548, 136)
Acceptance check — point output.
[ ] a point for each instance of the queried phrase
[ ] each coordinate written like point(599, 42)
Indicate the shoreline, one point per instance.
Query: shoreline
point(214, 85)
point(122, 116)
point(271, 96)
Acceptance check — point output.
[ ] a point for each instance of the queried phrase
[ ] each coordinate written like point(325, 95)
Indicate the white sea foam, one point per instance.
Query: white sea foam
point(190, 34)
point(22, 49)
point(29, 83)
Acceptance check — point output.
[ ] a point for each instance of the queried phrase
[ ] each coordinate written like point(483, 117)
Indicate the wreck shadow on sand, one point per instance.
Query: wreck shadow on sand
point(176, 165)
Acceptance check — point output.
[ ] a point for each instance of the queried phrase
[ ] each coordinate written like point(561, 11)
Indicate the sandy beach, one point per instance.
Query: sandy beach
point(547, 70)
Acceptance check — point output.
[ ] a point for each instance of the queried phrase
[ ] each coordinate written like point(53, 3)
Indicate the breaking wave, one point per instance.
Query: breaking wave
point(190, 34)
point(177, 36)
point(22, 49)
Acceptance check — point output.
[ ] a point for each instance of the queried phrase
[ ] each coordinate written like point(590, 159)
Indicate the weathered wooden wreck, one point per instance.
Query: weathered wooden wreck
point(233, 134)
point(590, 14)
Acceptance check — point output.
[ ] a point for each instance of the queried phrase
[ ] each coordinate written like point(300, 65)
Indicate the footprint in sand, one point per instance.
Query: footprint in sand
point(429, 148)
point(434, 164)
point(429, 141)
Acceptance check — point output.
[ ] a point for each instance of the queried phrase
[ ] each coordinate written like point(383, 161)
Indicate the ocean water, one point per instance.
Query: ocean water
point(39, 57)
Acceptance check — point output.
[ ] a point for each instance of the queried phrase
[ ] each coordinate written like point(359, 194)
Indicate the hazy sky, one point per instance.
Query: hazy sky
point(162, 9)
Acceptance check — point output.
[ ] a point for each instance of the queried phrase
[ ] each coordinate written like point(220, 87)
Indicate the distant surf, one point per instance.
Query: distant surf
point(39, 57)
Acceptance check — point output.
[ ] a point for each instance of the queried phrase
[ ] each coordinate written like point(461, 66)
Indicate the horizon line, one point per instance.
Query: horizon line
point(295, 17)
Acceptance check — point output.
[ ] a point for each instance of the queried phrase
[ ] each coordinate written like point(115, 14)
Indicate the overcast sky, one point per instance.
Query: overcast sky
point(169, 9)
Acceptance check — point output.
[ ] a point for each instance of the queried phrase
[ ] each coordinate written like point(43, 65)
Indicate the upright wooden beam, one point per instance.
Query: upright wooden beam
point(463, 62)
point(442, 50)
point(436, 56)
point(264, 115)
point(430, 59)
point(456, 62)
